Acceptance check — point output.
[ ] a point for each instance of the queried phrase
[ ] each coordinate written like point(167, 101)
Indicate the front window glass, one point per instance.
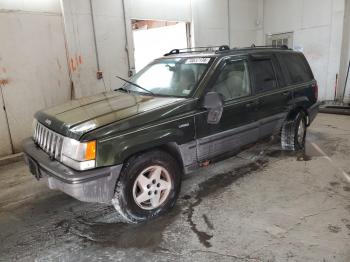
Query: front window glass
point(170, 77)
point(233, 81)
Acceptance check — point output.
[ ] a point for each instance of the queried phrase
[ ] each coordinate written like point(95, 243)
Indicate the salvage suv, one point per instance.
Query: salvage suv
point(131, 146)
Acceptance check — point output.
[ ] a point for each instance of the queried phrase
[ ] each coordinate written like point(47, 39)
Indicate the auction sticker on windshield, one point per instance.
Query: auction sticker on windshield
point(198, 60)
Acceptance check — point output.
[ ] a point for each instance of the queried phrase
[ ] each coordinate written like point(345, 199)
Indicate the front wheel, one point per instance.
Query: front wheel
point(149, 185)
point(294, 133)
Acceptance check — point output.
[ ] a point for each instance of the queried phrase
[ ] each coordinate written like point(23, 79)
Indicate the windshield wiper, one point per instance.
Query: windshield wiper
point(123, 89)
point(134, 84)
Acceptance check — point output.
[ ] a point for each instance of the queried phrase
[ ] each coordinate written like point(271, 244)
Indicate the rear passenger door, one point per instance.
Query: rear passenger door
point(273, 98)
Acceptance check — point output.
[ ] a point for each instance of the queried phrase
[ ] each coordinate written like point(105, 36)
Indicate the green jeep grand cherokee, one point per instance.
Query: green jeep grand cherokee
point(130, 147)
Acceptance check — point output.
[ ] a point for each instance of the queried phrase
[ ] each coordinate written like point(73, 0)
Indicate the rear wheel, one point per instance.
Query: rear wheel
point(294, 133)
point(149, 185)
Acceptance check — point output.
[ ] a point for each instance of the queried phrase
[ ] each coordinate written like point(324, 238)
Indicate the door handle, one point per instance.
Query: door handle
point(286, 93)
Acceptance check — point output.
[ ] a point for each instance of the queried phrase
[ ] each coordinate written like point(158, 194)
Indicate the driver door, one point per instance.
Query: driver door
point(237, 126)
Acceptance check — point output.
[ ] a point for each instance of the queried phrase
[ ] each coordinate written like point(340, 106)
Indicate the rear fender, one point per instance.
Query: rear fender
point(299, 104)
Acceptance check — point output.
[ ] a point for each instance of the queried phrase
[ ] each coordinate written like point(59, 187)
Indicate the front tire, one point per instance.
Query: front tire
point(148, 186)
point(293, 133)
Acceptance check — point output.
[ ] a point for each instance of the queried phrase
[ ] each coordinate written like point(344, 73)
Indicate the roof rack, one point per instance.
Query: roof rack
point(267, 46)
point(198, 50)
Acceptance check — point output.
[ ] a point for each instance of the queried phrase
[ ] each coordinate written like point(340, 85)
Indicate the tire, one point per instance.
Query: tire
point(293, 133)
point(139, 181)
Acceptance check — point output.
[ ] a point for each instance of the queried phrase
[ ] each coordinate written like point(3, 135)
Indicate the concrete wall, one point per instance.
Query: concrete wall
point(317, 27)
point(110, 44)
point(33, 63)
point(345, 57)
point(179, 10)
point(210, 22)
point(246, 22)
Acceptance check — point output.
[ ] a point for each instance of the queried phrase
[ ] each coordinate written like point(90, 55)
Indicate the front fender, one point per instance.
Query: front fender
point(115, 150)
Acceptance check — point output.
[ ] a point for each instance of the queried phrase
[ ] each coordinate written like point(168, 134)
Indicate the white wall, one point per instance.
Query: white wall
point(210, 22)
point(317, 27)
point(38, 6)
point(110, 36)
point(345, 57)
point(179, 10)
point(33, 63)
point(246, 22)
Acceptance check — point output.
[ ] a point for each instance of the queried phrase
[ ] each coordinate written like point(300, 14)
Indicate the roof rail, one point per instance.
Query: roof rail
point(268, 46)
point(198, 50)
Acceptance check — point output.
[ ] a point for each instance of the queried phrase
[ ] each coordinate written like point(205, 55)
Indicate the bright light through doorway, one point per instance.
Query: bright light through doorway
point(153, 39)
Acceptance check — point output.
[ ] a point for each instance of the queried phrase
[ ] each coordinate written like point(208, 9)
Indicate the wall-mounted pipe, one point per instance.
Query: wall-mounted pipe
point(99, 74)
point(6, 118)
point(130, 71)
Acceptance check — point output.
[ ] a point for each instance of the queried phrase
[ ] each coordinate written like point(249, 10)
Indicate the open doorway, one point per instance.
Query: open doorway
point(154, 38)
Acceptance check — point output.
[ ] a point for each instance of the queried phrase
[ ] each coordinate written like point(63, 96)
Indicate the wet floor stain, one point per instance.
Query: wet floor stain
point(214, 184)
point(120, 235)
point(150, 234)
point(208, 222)
point(299, 155)
point(346, 188)
point(334, 229)
point(333, 183)
point(203, 236)
point(303, 157)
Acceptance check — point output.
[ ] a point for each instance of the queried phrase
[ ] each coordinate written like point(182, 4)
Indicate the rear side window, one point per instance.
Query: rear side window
point(297, 68)
point(264, 75)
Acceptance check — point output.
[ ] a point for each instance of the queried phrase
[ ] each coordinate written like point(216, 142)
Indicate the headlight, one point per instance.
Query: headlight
point(80, 156)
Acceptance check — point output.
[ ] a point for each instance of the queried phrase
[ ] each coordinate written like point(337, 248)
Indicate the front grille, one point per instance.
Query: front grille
point(48, 140)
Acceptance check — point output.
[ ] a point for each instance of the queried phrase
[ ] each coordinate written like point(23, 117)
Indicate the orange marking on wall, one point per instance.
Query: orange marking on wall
point(4, 81)
point(72, 65)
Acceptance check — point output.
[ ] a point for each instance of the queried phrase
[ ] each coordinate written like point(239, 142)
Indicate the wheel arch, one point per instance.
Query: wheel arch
point(172, 148)
point(295, 111)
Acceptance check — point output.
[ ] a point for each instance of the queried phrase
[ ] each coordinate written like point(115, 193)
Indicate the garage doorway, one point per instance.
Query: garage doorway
point(154, 38)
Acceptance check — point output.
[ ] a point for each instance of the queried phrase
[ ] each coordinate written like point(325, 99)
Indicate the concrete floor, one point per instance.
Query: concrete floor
point(261, 205)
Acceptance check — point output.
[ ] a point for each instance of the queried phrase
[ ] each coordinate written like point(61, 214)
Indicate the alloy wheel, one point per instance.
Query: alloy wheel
point(152, 187)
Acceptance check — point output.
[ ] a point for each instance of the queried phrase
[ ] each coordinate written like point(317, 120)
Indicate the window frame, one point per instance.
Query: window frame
point(287, 75)
point(225, 63)
point(264, 56)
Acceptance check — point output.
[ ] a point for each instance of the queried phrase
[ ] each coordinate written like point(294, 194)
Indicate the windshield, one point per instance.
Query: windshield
point(170, 77)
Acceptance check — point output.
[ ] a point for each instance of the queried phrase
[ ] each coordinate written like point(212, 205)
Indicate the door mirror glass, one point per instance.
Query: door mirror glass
point(215, 104)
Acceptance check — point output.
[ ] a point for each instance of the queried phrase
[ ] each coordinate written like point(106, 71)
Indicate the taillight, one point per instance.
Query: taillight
point(315, 90)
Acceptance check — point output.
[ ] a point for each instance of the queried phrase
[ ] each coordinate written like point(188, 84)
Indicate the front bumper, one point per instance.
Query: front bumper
point(96, 185)
point(312, 112)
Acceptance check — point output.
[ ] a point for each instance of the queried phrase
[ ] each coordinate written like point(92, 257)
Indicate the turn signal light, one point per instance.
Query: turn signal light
point(90, 153)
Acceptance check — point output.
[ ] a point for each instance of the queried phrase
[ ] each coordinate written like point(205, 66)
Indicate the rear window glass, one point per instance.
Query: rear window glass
point(264, 75)
point(297, 68)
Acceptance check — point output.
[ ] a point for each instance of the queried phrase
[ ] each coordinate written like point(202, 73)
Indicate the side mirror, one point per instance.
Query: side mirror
point(215, 104)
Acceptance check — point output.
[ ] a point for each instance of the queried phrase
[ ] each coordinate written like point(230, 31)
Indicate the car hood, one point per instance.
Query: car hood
point(80, 116)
